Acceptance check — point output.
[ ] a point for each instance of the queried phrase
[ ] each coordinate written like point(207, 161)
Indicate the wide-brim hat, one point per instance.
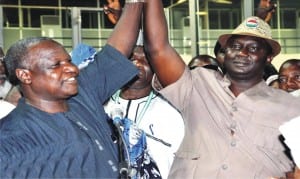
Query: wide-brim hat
point(256, 27)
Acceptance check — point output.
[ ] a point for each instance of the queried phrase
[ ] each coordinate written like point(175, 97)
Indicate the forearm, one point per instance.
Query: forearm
point(165, 61)
point(125, 33)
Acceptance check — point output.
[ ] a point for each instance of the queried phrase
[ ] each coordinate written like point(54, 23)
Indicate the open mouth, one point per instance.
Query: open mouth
point(71, 80)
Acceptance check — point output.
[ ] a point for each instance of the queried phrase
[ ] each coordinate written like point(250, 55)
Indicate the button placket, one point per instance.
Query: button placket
point(224, 166)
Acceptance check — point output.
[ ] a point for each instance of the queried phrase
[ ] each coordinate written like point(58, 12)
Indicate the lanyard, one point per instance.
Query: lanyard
point(141, 114)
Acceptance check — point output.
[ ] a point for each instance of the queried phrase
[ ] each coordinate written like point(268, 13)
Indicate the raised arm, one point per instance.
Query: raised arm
point(125, 32)
point(166, 62)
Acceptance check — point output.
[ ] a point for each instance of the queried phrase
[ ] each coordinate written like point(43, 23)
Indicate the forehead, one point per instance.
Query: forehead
point(245, 38)
point(46, 49)
point(291, 65)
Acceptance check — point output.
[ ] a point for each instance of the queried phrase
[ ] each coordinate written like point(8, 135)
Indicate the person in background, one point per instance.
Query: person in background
point(289, 76)
point(59, 128)
point(5, 86)
point(231, 122)
point(205, 61)
point(269, 70)
point(273, 81)
point(265, 10)
point(220, 54)
point(113, 10)
point(8, 92)
point(271, 75)
point(161, 122)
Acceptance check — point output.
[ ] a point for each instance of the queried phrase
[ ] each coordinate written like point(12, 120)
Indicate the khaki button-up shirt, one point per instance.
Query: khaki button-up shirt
point(227, 136)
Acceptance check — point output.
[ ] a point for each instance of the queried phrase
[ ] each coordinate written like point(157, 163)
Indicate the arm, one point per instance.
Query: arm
point(166, 62)
point(125, 33)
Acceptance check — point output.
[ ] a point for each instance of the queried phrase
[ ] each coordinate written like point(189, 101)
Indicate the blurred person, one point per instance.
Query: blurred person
point(289, 76)
point(271, 75)
point(269, 70)
point(273, 81)
point(205, 61)
point(13, 95)
point(265, 10)
point(220, 54)
point(113, 10)
point(8, 92)
point(58, 129)
point(161, 122)
point(231, 122)
point(5, 85)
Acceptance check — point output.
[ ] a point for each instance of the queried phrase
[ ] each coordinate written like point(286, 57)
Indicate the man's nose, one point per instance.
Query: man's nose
point(70, 67)
point(243, 52)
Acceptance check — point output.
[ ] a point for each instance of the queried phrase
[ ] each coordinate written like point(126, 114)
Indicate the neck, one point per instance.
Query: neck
point(132, 94)
point(238, 87)
point(49, 106)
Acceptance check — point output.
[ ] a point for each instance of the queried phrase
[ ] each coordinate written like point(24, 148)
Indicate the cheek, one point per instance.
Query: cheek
point(229, 55)
point(282, 86)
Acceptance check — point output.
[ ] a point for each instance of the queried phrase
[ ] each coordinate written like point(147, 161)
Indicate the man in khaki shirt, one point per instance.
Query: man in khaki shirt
point(231, 122)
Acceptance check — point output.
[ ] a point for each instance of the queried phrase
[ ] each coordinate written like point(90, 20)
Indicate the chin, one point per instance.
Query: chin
point(72, 92)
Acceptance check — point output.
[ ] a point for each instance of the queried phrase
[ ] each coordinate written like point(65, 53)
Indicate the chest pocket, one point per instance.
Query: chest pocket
point(187, 155)
point(263, 132)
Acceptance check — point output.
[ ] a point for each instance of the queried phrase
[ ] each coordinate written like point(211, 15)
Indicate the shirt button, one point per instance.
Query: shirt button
point(233, 143)
point(234, 108)
point(224, 167)
point(233, 126)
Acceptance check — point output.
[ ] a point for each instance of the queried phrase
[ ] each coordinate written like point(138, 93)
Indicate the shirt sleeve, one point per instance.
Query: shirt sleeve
point(177, 92)
point(106, 74)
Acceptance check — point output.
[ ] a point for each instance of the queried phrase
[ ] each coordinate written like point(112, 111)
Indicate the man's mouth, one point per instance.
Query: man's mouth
point(71, 80)
point(240, 63)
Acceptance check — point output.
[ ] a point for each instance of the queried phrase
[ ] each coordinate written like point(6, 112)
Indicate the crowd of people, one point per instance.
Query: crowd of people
point(215, 117)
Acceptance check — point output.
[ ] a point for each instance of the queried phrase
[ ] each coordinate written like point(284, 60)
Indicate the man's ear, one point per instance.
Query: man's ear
point(23, 75)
